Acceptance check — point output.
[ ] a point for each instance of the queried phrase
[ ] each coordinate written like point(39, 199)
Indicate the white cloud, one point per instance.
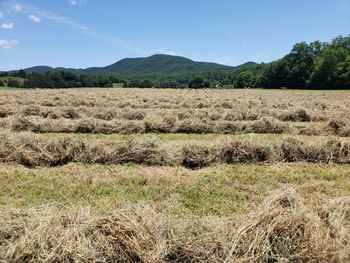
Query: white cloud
point(224, 60)
point(18, 7)
point(163, 51)
point(8, 43)
point(75, 2)
point(36, 14)
point(34, 18)
point(7, 25)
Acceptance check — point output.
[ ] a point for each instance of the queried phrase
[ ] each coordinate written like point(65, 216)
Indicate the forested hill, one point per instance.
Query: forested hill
point(315, 65)
point(156, 64)
point(160, 64)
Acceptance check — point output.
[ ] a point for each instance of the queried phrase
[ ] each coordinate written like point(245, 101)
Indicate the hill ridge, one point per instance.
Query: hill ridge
point(154, 64)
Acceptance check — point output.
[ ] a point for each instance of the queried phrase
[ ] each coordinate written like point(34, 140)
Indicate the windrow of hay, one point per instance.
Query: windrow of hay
point(282, 229)
point(268, 125)
point(289, 150)
point(242, 113)
point(241, 105)
point(32, 150)
point(339, 126)
point(170, 124)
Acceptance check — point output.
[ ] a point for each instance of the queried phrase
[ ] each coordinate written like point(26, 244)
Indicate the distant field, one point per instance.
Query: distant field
point(130, 111)
point(6, 86)
point(148, 175)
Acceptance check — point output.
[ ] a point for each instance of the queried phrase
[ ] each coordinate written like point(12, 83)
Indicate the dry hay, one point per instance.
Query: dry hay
point(156, 124)
point(147, 150)
point(329, 151)
point(268, 125)
point(4, 113)
point(33, 150)
point(282, 229)
point(70, 113)
point(194, 126)
point(32, 110)
point(339, 126)
point(198, 156)
point(298, 115)
point(106, 114)
point(136, 233)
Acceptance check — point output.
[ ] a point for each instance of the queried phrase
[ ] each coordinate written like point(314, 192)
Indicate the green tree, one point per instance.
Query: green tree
point(21, 73)
point(245, 79)
point(13, 83)
point(331, 67)
point(146, 84)
point(198, 83)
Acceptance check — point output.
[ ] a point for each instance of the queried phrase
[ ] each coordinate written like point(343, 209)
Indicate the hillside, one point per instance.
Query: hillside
point(162, 64)
point(155, 64)
point(38, 69)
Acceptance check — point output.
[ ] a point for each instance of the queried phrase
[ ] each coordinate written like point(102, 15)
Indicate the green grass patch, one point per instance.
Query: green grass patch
point(117, 85)
point(219, 190)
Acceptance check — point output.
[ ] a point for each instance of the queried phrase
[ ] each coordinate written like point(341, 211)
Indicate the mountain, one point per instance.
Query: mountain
point(38, 69)
point(155, 64)
point(162, 64)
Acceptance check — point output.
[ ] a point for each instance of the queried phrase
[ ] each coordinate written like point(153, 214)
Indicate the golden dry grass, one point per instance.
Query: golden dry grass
point(283, 228)
point(32, 150)
point(129, 111)
point(81, 183)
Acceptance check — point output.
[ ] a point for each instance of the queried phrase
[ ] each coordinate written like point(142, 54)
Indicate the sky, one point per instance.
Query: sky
point(85, 33)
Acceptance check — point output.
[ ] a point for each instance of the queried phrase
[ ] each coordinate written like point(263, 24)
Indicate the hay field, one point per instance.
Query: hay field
point(153, 175)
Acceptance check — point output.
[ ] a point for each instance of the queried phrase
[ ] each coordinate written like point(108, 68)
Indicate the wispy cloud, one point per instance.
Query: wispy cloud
point(34, 18)
point(105, 38)
point(65, 21)
point(40, 15)
point(18, 7)
point(8, 43)
point(75, 2)
point(7, 25)
point(48, 15)
point(224, 60)
point(162, 51)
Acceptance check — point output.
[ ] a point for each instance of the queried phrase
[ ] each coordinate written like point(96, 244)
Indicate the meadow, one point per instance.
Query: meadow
point(157, 175)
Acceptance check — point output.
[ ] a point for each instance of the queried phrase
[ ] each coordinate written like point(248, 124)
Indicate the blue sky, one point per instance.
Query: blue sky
point(84, 33)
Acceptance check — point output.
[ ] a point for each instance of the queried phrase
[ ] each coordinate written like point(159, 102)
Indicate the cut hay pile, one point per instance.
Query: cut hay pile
point(32, 150)
point(282, 229)
point(130, 111)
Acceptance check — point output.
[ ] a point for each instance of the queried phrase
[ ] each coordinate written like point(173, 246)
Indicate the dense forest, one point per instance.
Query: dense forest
point(317, 65)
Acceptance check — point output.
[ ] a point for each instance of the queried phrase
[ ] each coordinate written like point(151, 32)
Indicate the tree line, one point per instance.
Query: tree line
point(58, 79)
point(317, 65)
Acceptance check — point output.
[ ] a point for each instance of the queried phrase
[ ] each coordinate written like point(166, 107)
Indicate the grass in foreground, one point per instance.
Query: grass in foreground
point(284, 228)
point(218, 190)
